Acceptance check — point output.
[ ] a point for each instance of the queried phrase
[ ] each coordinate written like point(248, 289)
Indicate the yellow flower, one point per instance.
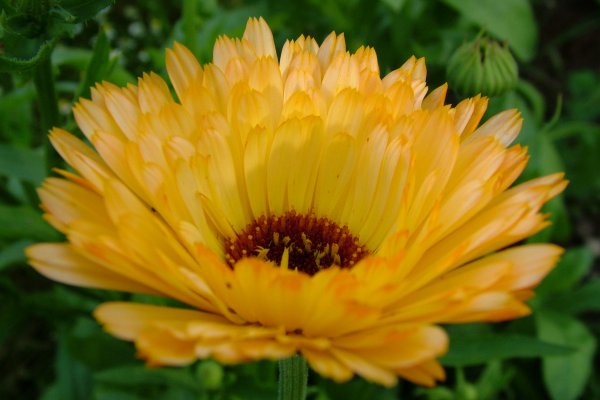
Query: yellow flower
point(304, 205)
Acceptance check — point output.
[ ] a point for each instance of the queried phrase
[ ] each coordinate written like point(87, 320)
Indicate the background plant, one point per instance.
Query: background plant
point(52, 51)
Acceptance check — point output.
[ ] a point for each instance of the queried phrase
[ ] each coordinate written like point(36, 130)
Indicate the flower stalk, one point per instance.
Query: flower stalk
point(48, 105)
point(293, 376)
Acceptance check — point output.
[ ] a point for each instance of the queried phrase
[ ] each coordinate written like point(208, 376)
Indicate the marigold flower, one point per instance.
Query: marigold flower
point(304, 205)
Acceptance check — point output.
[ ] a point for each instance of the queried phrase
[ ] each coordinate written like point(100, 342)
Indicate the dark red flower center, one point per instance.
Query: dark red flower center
point(312, 243)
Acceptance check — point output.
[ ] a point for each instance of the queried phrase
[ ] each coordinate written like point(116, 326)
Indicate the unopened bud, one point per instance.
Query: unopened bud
point(482, 66)
point(210, 374)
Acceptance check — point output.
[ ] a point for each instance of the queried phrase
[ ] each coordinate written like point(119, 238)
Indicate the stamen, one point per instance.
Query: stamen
point(285, 259)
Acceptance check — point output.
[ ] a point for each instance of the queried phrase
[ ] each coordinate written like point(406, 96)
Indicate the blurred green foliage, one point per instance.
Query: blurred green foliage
point(52, 51)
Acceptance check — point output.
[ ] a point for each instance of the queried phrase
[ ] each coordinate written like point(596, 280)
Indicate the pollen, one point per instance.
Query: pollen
point(311, 243)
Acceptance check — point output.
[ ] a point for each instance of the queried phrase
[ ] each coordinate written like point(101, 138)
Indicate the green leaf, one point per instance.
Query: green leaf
point(16, 120)
point(83, 10)
point(74, 57)
point(565, 376)
point(107, 392)
point(479, 348)
point(549, 161)
point(93, 347)
point(52, 393)
point(61, 299)
point(98, 65)
point(139, 375)
point(16, 64)
point(13, 253)
point(179, 393)
point(251, 381)
point(395, 5)
point(24, 222)
point(355, 389)
point(493, 379)
point(573, 266)
point(74, 380)
point(22, 163)
point(14, 316)
point(584, 87)
point(584, 299)
point(510, 20)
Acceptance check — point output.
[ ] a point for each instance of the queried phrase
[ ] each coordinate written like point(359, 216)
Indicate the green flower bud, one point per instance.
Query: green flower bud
point(210, 374)
point(482, 66)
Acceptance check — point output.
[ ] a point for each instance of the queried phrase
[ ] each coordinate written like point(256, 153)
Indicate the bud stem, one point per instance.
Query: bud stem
point(293, 377)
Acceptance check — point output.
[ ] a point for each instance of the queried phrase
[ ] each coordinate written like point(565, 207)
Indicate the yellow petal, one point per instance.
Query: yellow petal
point(259, 35)
point(183, 68)
point(60, 262)
point(504, 126)
point(330, 48)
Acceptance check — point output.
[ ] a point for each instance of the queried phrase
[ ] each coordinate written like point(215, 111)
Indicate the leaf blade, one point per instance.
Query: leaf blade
point(479, 348)
point(511, 20)
point(22, 163)
point(565, 376)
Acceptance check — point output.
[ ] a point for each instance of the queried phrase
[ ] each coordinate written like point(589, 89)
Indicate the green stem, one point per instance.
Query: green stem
point(189, 23)
point(48, 105)
point(293, 376)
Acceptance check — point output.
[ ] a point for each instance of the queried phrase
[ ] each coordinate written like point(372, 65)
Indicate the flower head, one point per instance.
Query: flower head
point(297, 205)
